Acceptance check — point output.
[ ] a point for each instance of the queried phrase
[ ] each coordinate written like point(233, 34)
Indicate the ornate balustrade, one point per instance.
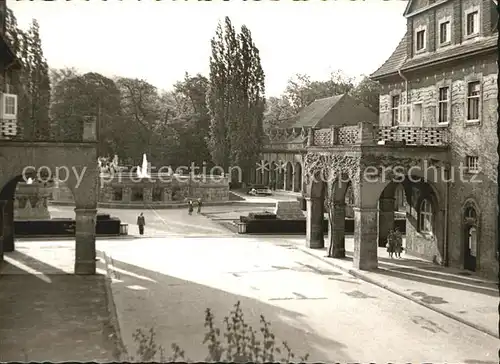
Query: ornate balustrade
point(366, 134)
point(428, 136)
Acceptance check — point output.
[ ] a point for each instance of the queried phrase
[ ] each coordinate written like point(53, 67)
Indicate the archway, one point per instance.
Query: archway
point(289, 177)
point(471, 235)
point(297, 180)
point(82, 218)
point(424, 220)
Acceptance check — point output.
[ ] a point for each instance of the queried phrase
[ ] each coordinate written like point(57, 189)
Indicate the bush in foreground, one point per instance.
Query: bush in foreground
point(239, 343)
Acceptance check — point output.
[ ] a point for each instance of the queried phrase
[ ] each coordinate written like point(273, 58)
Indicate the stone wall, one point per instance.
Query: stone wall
point(156, 191)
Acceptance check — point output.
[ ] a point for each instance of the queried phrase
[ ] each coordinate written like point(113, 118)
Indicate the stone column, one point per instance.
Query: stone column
point(126, 194)
point(337, 235)
point(365, 238)
point(8, 226)
point(1, 229)
point(314, 223)
point(85, 252)
point(385, 219)
point(147, 194)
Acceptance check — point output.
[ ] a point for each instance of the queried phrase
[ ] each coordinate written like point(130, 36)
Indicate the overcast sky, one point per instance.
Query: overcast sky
point(160, 40)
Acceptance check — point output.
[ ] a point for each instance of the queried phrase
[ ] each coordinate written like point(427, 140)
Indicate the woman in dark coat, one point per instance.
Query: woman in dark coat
point(190, 207)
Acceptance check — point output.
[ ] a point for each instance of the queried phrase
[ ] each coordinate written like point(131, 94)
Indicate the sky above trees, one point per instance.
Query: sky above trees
point(160, 41)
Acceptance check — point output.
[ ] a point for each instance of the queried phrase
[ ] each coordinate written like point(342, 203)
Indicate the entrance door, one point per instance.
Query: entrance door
point(470, 248)
point(416, 117)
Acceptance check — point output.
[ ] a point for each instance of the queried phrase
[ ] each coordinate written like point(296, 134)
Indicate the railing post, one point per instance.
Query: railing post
point(334, 135)
point(310, 137)
point(365, 133)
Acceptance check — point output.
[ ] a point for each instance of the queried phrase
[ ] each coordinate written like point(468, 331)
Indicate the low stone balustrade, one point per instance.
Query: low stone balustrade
point(367, 134)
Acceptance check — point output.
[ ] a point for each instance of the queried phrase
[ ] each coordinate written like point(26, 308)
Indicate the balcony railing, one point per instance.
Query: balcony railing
point(367, 134)
point(10, 129)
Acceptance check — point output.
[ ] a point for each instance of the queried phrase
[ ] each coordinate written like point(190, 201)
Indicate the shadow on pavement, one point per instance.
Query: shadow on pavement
point(53, 317)
point(418, 270)
point(176, 309)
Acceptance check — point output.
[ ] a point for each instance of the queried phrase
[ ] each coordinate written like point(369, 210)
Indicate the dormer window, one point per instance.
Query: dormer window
point(420, 40)
point(472, 23)
point(444, 32)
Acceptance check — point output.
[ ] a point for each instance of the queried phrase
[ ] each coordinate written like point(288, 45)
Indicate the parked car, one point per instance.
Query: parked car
point(259, 190)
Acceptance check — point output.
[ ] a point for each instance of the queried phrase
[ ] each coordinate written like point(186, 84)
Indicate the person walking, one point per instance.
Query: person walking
point(141, 222)
point(190, 207)
point(398, 243)
point(199, 206)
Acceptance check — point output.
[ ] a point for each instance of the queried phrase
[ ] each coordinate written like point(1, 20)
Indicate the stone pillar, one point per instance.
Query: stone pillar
point(334, 133)
point(126, 194)
point(365, 133)
point(314, 223)
point(85, 252)
point(8, 226)
point(337, 235)
point(385, 219)
point(147, 194)
point(167, 194)
point(365, 238)
point(1, 229)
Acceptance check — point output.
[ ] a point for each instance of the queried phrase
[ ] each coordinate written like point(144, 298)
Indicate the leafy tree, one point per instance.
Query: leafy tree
point(76, 97)
point(189, 120)
point(144, 128)
point(302, 91)
point(368, 91)
point(31, 83)
point(217, 100)
point(277, 111)
point(235, 98)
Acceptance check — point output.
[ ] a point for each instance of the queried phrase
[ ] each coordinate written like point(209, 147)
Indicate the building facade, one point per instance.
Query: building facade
point(443, 74)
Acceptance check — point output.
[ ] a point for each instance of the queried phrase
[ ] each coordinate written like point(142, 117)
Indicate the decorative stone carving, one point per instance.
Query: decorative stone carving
point(331, 166)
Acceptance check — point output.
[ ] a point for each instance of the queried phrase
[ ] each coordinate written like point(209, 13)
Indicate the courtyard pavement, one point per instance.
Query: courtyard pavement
point(167, 279)
point(49, 315)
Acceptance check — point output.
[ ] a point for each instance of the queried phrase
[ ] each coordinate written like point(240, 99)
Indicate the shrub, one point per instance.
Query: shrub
point(239, 343)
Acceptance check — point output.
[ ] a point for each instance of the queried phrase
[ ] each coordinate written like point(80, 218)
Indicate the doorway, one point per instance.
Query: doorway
point(470, 246)
point(416, 117)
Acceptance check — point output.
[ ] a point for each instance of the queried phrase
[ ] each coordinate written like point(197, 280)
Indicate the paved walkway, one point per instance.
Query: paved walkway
point(456, 293)
point(48, 315)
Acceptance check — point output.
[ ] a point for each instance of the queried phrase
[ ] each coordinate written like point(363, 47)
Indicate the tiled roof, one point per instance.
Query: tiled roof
point(453, 52)
point(311, 115)
point(398, 59)
point(394, 61)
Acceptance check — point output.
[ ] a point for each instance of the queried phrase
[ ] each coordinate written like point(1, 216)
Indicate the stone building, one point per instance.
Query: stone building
point(443, 74)
point(434, 146)
point(285, 146)
point(23, 159)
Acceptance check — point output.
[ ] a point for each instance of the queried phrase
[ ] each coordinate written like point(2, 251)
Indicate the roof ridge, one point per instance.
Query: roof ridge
point(329, 97)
